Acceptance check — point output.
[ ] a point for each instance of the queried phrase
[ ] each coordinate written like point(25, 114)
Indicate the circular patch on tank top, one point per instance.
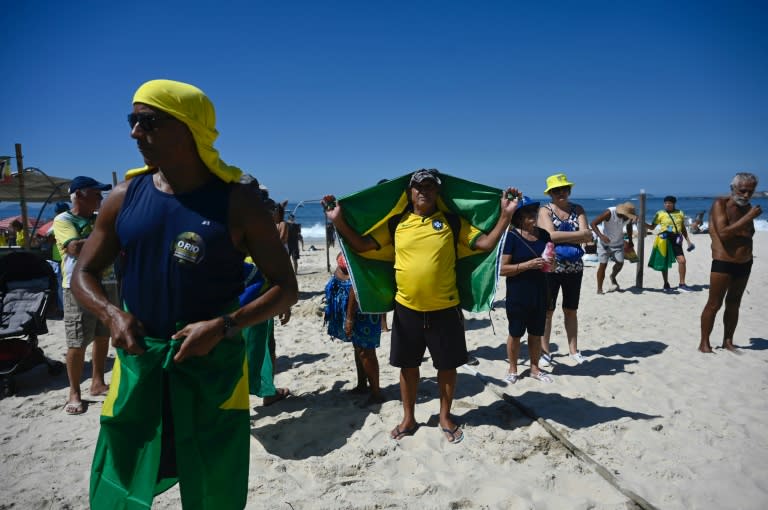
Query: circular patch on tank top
point(188, 248)
point(437, 225)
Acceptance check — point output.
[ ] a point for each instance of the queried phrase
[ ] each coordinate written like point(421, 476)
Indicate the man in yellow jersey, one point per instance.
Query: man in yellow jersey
point(427, 313)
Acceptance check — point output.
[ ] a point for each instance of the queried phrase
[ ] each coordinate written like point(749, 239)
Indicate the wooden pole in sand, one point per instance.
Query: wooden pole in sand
point(22, 197)
point(640, 241)
point(327, 246)
point(114, 179)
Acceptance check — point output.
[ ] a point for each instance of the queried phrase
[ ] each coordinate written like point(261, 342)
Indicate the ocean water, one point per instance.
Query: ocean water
point(312, 218)
point(310, 214)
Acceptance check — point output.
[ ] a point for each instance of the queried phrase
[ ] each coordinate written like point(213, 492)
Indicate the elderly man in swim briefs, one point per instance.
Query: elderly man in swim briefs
point(177, 409)
point(731, 227)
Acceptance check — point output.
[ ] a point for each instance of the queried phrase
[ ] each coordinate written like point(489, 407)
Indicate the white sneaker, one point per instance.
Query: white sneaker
point(578, 358)
point(545, 360)
point(511, 378)
point(542, 376)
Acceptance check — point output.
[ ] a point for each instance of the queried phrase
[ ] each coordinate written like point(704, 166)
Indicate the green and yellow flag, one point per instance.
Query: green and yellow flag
point(206, 399)
point(5, 170)
point(662, 257)
point(373, 273)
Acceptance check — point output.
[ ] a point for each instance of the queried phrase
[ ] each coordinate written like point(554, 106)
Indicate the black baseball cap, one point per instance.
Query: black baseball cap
point(422, 175)
point(82, 182)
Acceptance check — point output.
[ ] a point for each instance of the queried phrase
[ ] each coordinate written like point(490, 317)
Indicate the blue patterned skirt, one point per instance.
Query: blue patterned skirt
point(366, 332)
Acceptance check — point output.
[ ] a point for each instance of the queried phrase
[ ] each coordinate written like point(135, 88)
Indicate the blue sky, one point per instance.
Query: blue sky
point(329, 97)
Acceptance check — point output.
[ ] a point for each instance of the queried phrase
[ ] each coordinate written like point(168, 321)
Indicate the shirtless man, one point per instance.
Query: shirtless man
point(731, 228)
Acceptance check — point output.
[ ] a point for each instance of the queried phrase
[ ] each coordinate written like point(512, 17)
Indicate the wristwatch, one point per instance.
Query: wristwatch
point(229, 324)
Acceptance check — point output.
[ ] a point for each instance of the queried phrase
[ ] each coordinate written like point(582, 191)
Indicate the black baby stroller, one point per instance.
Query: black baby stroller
point(27, 283)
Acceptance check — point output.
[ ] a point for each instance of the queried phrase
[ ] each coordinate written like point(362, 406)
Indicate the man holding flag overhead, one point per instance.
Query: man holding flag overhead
point(436, 254)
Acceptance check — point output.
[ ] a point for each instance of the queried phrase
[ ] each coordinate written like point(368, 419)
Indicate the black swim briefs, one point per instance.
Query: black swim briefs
point(734, 269)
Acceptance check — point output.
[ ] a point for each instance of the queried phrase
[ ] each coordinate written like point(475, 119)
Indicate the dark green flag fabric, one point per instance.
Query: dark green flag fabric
point(209, 405)
point(373, 272)
point(260, 369)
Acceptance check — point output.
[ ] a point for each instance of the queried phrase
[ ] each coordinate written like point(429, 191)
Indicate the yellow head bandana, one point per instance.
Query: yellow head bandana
point(191, 106)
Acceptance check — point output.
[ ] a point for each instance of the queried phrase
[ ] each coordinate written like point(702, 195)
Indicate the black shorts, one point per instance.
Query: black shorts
point(571, 284)
point(672, 243)
point(734, 269)
point(526, 305)
point(677, 249)
point(521, 318)
point(441, 331)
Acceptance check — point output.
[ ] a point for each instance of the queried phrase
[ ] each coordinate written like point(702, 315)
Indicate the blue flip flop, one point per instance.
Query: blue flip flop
point(457, 435)
point(397, 433)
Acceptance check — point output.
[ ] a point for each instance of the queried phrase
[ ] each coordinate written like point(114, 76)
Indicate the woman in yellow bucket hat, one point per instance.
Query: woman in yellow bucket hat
point(567, 224)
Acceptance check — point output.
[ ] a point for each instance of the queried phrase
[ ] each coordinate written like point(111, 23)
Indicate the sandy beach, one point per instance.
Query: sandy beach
point(680, 429)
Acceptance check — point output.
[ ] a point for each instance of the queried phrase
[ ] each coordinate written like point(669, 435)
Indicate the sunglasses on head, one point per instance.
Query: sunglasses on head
point(146, 121)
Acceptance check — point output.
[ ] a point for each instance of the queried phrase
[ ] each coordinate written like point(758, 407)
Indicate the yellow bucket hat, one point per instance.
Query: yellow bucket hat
point(191, 106)
point(557, 181)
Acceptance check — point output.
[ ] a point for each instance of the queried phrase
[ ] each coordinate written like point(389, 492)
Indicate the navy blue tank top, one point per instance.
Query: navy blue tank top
point(179, 263)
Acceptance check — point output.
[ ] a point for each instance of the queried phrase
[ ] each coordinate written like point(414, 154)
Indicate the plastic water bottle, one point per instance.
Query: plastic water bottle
point(549, 257)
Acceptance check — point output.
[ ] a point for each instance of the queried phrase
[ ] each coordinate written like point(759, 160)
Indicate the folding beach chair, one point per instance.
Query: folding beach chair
point(26, 285)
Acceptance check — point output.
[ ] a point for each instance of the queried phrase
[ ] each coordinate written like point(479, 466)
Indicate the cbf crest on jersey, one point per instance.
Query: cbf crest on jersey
point(438, 225)
point(188, 248)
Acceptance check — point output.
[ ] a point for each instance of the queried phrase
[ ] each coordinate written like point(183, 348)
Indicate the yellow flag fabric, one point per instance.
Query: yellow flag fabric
point(191, 106)
point(662, 257)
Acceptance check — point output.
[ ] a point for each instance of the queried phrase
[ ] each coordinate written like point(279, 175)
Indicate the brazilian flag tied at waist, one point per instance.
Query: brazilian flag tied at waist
point(207, 402)
point(373, 273)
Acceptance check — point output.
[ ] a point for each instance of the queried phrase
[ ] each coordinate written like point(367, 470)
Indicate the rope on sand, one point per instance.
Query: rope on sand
point(580, 454)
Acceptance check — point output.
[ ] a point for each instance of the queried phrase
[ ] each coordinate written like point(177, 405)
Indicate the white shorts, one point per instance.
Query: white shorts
point(615, 252)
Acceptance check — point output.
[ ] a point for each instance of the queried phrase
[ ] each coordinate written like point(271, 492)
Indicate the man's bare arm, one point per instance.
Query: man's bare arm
point(101, 250)
point(357, 242)
point(262, 241)
point(487, 242)
point(253, 227)
point(718, 219)
point(605, 216)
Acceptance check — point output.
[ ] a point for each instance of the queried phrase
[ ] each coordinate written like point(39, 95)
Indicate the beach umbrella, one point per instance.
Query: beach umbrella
point(5, 223)
point(38, 187)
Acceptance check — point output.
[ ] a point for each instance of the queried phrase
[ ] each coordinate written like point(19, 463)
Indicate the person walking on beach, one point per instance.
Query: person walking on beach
point(668, 245)
point(293, 241)
point(18, 234)
point(177, 409)
point(567, 224)
point(524, 266)
point(426, 313)
point(731, 227)
point(347, 323)
point(610, 241)
point(71, 228)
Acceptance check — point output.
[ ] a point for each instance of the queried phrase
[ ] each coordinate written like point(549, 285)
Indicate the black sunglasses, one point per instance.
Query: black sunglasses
point(561, 189)
point(146, 121)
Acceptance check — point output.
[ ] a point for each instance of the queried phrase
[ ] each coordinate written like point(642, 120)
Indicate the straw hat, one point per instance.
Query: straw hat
point(627, 209)
point(557, 181)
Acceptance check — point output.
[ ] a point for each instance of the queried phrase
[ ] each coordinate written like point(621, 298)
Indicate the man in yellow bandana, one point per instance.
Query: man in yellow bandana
point(177, 409)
